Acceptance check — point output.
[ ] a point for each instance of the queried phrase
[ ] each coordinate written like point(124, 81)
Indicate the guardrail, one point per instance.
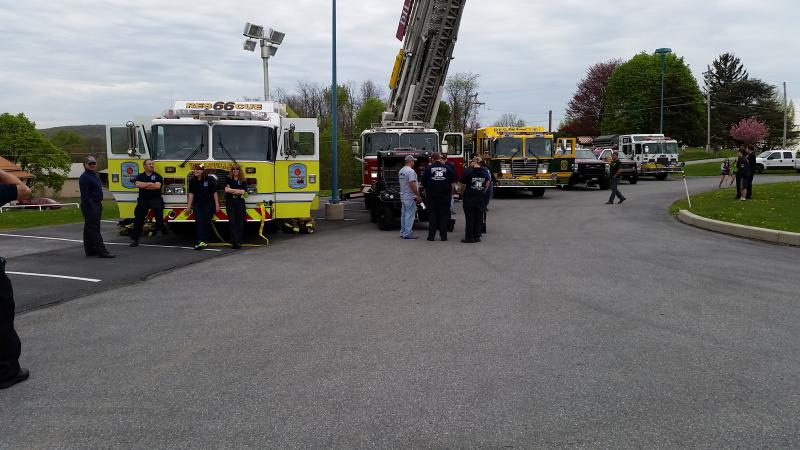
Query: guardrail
point(39, 207)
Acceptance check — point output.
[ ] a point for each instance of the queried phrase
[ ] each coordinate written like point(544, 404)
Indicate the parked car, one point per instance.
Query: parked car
point(36, 203)
point(588, 169)
point(776, 159)
point(630, 171)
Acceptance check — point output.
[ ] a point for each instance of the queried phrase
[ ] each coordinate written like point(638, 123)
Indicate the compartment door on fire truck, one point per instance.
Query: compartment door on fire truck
point(124, 164)
point(565, 157)
point(296, 168)
point(455, 151)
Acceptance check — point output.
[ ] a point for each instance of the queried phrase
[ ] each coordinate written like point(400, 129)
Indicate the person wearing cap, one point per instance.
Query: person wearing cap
point(438, 183)
point(409, 197)
point(235, 192)
point(475, 181)
point(203, 201)
point(149, 183)
point(92, 209)
point(11, 188)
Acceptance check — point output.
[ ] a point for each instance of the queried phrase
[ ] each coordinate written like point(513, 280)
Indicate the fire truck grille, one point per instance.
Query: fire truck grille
point(521, 167)
point(593, 168)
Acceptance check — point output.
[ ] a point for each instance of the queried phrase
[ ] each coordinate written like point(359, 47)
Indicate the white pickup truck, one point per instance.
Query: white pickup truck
point(777, 159)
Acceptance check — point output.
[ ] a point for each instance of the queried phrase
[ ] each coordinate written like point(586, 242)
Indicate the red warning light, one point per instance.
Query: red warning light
point(297, 172)
point(130, 170)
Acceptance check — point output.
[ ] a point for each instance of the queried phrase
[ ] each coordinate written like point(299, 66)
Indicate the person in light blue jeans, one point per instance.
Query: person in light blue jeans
point(409, 197)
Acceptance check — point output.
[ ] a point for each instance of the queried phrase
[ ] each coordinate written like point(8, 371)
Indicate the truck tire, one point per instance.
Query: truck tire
point(633, 179)
point(385, 217)
point(661, 176)
point(760, 168)
point(604, 183)
point(537, 192)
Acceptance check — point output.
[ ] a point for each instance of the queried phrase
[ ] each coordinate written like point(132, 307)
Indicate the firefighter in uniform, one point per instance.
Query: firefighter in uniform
point(235, 192)
point(475, 182)
point(438, 182)
point(149, 183)
point(92, 209)
point(204, 202)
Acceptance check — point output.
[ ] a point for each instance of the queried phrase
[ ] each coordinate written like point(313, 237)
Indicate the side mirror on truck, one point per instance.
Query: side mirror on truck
point(132, 143)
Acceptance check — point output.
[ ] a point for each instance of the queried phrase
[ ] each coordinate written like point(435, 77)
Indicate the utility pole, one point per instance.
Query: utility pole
point(550, 121)
point(708, 126)
point(785, 110)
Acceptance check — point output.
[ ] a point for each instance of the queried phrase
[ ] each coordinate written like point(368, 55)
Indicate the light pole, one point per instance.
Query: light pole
point(663, 53)
point(334, 118)
point(707, 76)
point(269, 46)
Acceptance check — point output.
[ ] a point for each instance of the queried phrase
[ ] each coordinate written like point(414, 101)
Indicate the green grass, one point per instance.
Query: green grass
point(773, 206)
point(711, 169)
point(695, 154)
point(17, 219)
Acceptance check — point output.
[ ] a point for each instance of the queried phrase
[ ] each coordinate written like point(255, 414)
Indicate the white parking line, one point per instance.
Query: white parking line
point(107, 243)
point(48, 275)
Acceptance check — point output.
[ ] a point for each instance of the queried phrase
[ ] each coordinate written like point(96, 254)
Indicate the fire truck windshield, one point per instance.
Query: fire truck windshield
point(375, 142)
point(180, 141)
point(539, 147)
point(246, 143)
point(420, 141)
point(661, 147)
point(507, 147)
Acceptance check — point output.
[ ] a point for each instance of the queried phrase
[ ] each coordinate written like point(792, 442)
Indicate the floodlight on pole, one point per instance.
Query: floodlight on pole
point(663, 53)
point(269, 46)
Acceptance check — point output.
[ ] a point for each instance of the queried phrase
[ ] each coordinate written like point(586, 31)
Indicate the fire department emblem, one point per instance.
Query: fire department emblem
point(297, 176)
point(129, 172)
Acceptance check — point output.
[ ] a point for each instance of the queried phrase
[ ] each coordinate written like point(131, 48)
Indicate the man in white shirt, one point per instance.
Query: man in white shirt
point(409, 197)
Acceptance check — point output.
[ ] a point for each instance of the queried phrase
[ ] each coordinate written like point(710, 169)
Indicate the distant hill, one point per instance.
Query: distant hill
point(95, 136)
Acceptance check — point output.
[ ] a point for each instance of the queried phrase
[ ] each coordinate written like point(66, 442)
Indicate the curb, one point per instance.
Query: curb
point(745, 231)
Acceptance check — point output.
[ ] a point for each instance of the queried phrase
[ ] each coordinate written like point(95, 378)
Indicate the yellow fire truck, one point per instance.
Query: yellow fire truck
point(525, 157)
point(279, 155)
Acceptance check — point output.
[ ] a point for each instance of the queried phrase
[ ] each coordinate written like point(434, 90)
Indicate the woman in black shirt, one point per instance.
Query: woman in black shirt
point(235, 192)
point(203, 201)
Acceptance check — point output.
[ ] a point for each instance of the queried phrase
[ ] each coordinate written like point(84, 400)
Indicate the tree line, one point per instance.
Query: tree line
point(617, 97)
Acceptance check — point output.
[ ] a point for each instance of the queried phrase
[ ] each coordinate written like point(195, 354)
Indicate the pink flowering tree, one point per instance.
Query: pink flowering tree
point(749, 131)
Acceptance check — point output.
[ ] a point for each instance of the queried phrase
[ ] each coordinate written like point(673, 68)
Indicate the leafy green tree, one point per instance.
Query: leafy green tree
point(632, 99)
point(369, 113)
point(443, 117)
point(22, 144)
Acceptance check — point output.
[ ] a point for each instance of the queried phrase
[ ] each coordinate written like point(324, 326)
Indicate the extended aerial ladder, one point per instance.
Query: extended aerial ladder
point(430, 29)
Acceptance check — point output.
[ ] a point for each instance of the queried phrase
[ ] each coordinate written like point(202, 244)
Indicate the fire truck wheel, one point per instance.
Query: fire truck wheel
point(385, 218)
point(661, 176)
point(537, 192)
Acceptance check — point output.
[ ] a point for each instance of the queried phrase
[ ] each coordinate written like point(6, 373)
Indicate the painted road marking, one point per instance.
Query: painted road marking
point(49, 275)
point(108, 243)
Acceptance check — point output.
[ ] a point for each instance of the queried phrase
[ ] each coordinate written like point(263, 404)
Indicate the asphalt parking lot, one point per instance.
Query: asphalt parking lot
point(573, 324)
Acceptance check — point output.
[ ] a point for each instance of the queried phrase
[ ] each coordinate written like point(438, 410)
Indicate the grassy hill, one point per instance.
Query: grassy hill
point(95, 136)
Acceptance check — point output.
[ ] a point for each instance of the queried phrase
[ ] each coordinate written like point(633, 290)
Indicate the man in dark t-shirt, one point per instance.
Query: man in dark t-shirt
point(149, 183)
point(203, 201)
point(438, 182)
point(615, 172)
point(11, 188)
point(92, 209)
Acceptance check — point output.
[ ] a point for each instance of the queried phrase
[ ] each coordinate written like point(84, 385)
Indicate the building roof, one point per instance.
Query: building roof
point(14, 169)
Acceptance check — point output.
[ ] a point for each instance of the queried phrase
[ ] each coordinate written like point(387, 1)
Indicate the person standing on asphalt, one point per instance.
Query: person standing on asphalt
point(615, 171)
point(409, 197)
point(742, 171)
point(92, 209)
point(438, 182)
point(474, 182)
point(235, 192)
point(203, 201)
point(11, 188)
point(487, 197)
point(751, 161)
point(149, 183)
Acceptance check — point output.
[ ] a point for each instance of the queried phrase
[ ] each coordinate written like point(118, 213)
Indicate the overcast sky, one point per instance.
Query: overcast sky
point(71, 62)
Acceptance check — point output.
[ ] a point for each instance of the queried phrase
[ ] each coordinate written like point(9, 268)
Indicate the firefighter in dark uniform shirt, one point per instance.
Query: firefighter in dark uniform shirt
point(235, 192)
point(11, 188)
point(92, 209)
point(149, 183)
point(204, 202)
point(438, 182)
point(475, 181)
